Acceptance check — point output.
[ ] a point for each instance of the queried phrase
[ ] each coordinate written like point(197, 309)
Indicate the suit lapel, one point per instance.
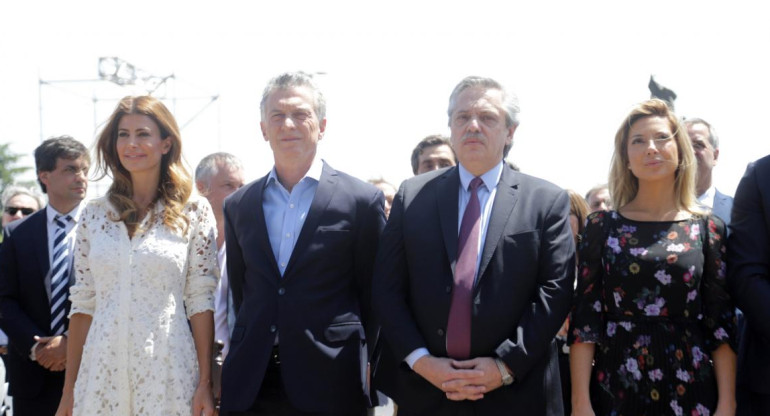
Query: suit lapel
point(505, 199)
point(447, 197)
point(41, 251)
point(323, 195)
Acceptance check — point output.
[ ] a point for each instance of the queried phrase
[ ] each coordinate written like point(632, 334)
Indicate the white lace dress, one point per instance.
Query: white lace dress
point(139, 357)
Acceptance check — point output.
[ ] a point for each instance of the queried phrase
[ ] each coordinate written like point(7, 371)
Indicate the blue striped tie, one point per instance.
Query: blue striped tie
point(60, 272)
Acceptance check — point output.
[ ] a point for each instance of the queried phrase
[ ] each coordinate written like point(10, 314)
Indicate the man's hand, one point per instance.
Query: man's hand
point(51, 352)
point(488, 378)
point(443, 372)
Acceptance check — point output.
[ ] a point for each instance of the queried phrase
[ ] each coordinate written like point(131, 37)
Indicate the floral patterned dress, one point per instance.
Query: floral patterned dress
point(653, 297)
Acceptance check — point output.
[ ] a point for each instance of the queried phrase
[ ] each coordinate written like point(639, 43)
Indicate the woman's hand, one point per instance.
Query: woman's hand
point(65, 404)
point(203, 401)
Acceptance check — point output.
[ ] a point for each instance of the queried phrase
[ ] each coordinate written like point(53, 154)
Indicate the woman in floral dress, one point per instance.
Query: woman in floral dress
point(652, 309)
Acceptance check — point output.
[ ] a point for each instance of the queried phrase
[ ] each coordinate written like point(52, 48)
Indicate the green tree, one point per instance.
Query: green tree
point(8, 168)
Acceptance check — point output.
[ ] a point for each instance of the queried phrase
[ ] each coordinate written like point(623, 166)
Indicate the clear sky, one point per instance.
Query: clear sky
point(388, 69)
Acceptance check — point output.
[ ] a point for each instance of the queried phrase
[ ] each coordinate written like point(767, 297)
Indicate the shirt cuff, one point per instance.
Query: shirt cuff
point(32, 352)
point(416, 355)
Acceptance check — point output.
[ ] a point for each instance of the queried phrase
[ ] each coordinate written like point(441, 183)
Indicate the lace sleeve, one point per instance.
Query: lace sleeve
point(82, 293)
point(587, 317)
point(719, 321)
point(202, 270)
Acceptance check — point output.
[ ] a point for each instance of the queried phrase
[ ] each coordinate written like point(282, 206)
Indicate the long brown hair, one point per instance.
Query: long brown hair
point(175, 185)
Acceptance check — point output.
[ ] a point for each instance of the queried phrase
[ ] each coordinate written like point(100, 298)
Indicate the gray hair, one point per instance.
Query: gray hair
point(510, 100)
point(208, 167)
point(713, 138)
point(12, 191)
point(293, 80)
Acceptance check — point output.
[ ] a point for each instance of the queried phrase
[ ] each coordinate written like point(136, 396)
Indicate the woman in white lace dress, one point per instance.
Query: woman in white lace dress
point(145, 263)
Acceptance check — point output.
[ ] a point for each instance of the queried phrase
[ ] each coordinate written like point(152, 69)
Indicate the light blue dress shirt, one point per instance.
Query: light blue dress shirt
point(486, 196)
point(285, 212)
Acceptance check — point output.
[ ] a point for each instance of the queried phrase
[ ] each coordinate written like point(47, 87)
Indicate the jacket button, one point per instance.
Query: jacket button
point(449, 289)
point(272, 328)
point(440, 332)
point(281, 291)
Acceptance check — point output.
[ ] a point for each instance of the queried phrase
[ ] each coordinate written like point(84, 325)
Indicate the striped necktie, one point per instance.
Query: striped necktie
point(60, 272)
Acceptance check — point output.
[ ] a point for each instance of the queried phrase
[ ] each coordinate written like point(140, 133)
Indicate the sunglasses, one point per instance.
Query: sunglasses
point(14, 210)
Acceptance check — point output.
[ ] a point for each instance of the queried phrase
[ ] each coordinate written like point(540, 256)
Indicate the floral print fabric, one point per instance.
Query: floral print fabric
point(653, 297)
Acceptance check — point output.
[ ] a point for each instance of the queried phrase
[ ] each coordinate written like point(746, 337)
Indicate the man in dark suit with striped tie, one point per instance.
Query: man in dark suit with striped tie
point(35, 275)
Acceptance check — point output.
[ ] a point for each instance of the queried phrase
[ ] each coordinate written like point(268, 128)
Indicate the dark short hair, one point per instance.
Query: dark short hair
point(430, 141)
point(55, 148)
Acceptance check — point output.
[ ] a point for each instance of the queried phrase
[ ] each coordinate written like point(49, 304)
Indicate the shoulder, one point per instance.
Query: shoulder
point(350, 184)
point(248, 189)
point(715, 224)
point(197, 206)
point(532, 184)
point(430, 179)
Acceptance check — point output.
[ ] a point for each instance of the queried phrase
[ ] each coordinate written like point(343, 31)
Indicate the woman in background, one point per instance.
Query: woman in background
point(651, 307)
point(145, 263)
point(578, 211)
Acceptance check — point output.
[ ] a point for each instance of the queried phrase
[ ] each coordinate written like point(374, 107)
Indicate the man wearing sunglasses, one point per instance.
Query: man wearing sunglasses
point(35, 275)
point(19, 202)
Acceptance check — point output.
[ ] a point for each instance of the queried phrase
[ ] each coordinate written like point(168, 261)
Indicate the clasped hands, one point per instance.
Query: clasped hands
point(51, 352)
point(460, 380)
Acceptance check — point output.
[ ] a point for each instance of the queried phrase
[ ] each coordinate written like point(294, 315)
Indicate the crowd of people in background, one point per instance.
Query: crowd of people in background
point(470, 289)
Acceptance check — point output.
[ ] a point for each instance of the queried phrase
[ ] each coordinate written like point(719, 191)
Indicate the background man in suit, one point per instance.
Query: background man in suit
point(474, 275)
point(431, 153)
point(216, 177)
point(748, 274)
point(35, 275)
point(705, 144)
point(598, 198)
point(301, 243)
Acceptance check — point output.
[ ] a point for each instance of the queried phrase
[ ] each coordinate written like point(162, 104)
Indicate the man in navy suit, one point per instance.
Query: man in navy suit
point(748, 274)
point(301, 243)
point(705, 144)
point(30, 313)
point(474, 275)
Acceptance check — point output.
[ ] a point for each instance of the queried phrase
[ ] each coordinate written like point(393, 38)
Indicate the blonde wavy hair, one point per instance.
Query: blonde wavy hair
point(622, 182)
point(175, 185)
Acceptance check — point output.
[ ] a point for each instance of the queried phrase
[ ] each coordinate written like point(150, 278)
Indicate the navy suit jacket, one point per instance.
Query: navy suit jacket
point(748, 273)
point(25, 309)
point(321, 307)
point(520, 299)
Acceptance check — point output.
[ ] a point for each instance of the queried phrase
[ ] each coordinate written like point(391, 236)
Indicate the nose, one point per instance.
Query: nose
point(288, 123)
point(652, 146)
point(473, 124)
point(18, 215)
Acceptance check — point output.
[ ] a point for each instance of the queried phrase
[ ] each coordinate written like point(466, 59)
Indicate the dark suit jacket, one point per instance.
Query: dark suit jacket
point(520, 299)
point(748, 267)
point(320, 307)
point(25, 309)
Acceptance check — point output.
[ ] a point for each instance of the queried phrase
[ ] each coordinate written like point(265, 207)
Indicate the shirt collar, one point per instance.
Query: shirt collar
point(708, 195)
point(316, 168)
point(51, 213)
point(490, 178)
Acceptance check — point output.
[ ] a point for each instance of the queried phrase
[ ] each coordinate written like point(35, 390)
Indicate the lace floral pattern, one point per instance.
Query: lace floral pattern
point(139, 357)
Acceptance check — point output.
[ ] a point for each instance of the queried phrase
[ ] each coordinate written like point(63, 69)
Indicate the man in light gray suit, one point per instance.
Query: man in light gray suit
point(705, 143)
